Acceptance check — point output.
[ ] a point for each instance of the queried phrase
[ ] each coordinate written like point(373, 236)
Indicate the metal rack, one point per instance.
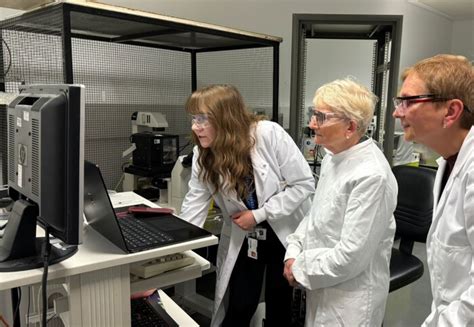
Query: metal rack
point(384, 30)
point(131, 61)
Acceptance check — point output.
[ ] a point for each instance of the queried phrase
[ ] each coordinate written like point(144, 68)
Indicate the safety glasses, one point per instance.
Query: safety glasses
point(200, 120)
point(321, 117)
point(403, 103)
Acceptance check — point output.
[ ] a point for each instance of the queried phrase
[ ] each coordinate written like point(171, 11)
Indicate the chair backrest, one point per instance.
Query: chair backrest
point(414, 209)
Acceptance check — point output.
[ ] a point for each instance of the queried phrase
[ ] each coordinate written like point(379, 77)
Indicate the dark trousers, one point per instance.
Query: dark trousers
point(246, 283)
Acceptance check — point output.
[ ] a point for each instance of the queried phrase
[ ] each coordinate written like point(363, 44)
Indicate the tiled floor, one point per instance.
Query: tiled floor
point(406, 307)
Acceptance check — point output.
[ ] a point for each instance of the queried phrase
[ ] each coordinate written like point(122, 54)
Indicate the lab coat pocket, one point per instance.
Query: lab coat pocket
point(342, 308)
point(449, 269)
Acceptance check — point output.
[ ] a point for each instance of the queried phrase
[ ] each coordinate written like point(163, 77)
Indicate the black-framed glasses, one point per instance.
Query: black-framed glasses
point(321, 117)
point(404, 103)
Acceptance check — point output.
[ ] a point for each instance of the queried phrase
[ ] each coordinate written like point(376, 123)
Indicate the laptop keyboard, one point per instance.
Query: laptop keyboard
point(138, 234)
point(147, 313)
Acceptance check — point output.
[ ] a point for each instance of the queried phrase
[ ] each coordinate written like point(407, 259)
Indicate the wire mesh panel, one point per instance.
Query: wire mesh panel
point(122, 79)
point(33, 50)
point(250, 70)
point(32, 53)
point(128, 64)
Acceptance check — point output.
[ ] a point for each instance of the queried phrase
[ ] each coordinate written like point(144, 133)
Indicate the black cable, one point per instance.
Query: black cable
point(46, 249)
point(125, 164)
point(52, 317)
point(180, 149)
point(17, 309)
point(315, 157)
point(9, 56)
point(317, 160)
point(28, 308)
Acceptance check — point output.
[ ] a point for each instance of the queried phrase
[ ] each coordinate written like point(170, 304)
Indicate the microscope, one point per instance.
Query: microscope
point(178, 185)
point(154, 155)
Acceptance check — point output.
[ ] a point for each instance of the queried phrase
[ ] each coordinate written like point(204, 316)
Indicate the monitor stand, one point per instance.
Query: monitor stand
point(20, 249)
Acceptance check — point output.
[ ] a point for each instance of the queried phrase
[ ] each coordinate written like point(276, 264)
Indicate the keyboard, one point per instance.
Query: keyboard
point(138, 234)
point(150, 268)
point(148, 312)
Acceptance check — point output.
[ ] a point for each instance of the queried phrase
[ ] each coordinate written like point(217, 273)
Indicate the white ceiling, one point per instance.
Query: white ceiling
point(453, 9)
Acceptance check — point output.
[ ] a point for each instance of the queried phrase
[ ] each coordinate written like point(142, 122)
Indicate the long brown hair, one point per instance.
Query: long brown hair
point(226, 164)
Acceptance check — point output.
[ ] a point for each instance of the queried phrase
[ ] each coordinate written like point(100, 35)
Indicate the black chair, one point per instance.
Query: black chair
point(413, 217)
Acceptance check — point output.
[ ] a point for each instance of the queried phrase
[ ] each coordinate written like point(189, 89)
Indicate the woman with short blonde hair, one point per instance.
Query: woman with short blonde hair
point(349, 98)
point(340, 252)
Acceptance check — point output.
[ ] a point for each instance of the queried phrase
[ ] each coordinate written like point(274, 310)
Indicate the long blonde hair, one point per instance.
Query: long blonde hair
point(227, 163)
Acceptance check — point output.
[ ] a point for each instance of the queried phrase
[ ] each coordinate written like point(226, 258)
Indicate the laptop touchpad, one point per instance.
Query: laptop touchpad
point(168, 222)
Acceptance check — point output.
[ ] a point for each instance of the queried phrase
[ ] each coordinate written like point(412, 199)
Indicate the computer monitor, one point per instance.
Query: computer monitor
point(45, 173)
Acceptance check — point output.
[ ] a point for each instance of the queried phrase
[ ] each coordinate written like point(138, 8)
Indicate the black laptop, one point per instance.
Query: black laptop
point(129, 232)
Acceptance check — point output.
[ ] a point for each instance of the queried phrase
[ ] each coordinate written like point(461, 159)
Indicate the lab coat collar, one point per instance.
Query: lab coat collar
point(463, 156)
point(437, 185)
point(466, 147)
point(347, 153)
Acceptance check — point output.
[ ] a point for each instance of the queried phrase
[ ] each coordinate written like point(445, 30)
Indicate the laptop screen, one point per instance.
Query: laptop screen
point(102, 217)
point(98, 208)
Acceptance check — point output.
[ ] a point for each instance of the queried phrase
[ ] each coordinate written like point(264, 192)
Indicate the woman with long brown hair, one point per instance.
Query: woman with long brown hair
point(260, 180)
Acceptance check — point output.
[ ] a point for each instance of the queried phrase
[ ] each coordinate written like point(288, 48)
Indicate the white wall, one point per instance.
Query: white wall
point(424, 33)
point(327, 60)
point(463, 38)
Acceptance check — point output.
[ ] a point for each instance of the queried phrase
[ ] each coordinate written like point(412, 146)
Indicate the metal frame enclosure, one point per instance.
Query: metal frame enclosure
point(243, 40)
point(153, 62)
point(381, 25)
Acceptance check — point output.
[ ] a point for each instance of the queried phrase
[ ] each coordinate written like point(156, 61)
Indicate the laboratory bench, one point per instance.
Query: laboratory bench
point(97, 281)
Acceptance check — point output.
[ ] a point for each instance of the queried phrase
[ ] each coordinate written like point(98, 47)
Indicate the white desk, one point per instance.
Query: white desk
point(98, 277)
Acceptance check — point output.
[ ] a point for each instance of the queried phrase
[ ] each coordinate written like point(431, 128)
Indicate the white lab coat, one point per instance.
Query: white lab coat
point(450, 243)
point(343, 246)
point(284, 186)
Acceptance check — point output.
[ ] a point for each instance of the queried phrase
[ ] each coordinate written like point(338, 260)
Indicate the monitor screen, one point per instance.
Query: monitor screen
point(45, 166)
